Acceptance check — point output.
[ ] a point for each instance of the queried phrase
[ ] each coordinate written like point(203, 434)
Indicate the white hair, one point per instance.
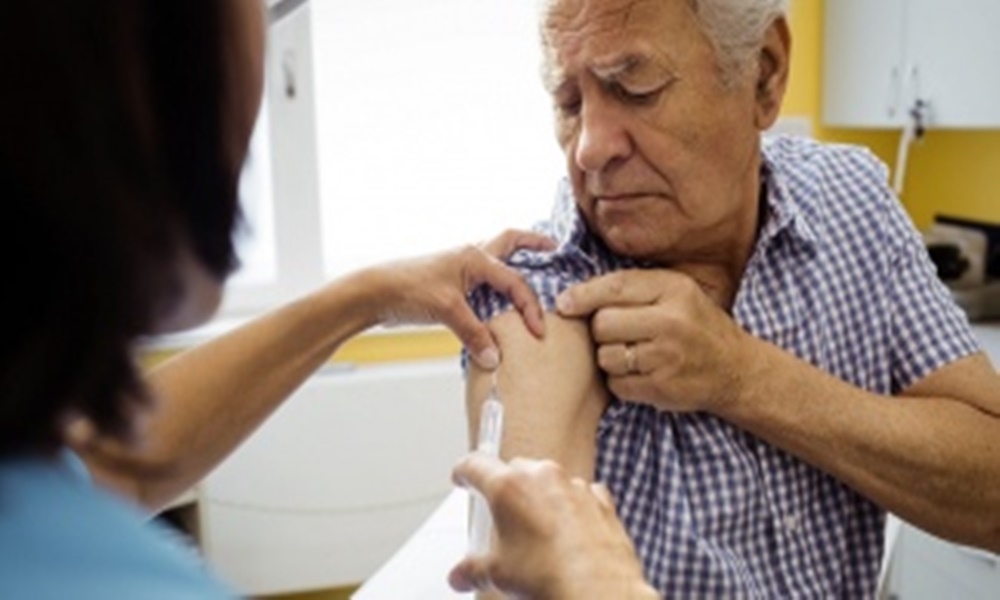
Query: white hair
point(736, 28)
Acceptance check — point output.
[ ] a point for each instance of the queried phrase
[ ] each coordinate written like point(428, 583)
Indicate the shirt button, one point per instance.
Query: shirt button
point(791, 523)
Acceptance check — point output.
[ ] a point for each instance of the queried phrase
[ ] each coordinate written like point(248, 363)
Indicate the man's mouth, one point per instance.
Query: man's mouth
point(621, 197)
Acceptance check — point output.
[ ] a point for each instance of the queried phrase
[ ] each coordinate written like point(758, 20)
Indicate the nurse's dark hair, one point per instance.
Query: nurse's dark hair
point(113, 137)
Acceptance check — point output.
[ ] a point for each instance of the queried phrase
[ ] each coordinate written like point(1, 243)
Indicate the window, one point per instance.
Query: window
point(255, 239)
point(434, 128)
point(391, 128)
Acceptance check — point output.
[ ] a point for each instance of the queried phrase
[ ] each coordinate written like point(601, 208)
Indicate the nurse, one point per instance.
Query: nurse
point(123, 127)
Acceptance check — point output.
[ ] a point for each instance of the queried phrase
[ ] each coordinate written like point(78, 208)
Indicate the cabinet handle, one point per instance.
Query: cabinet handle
point(894, 89)
point(914, 81)
point(288, 68)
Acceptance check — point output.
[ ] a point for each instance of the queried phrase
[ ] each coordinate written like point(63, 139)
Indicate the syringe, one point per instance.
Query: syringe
point(490, 432)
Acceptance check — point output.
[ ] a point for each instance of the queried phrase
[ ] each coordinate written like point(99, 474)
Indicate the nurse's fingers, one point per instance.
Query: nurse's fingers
point(501, 247)
point(603, 495)
point(478, 471)
point(485, 268)
point(472, 574)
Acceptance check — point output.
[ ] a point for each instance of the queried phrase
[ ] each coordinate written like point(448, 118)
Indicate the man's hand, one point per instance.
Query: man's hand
point(432, 289)
point(556, 537)
point(662, 340)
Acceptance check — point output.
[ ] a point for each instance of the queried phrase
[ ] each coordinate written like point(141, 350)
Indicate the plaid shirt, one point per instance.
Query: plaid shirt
point(840, 278)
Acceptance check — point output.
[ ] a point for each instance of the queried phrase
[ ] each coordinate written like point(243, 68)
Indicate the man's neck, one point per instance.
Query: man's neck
point(720, 277)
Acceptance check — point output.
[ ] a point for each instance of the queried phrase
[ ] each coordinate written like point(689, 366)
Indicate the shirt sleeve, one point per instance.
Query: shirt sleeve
point(578, 257)
point(928, 329)
point(548, 274)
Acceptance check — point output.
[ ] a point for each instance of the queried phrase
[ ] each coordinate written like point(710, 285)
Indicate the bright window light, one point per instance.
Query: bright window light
point(424, 124)
point(434, 129)
point(255, 242)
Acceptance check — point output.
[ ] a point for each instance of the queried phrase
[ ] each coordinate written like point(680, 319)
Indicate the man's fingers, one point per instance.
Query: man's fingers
point(619, 360)
point(621, 288)
point(620, 325)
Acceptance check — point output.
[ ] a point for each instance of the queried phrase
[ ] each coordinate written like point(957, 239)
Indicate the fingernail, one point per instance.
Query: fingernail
point(564, 303)
point(460, 582)
point(541, 323)
point(489, 359)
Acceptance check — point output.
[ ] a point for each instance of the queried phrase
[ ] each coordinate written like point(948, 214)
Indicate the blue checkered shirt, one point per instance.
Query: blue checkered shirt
point(840, 278)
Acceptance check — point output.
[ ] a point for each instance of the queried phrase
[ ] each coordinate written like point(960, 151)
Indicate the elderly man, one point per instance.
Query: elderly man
point(761, 350)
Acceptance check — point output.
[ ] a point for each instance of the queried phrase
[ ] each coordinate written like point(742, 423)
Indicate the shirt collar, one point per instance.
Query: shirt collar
point(791, 196)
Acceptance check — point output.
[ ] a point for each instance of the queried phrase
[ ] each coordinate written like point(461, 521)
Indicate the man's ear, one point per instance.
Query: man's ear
point(772, 73)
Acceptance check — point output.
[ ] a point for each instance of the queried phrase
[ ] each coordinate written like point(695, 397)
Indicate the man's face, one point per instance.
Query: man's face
point(662, 154)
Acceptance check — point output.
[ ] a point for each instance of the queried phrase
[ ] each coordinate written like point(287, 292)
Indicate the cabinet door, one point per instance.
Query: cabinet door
point(928, 568)
point(953, 47)
point(326, 491)
point(988, 335)
point(863, 63)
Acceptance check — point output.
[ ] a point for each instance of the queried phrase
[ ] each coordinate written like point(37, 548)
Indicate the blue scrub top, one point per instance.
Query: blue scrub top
point(62, 537)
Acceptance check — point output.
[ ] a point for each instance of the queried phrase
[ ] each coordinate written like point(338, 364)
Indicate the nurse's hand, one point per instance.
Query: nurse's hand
point(433, 289)
point(555, 537)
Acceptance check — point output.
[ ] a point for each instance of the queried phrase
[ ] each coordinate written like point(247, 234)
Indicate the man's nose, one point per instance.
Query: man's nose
point(603, 136)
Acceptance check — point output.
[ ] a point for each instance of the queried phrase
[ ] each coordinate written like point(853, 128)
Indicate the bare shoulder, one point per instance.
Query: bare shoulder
point(566, 341)
point(551, 389)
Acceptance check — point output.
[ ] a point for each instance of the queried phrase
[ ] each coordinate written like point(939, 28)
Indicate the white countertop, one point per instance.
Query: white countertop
point(419, 569)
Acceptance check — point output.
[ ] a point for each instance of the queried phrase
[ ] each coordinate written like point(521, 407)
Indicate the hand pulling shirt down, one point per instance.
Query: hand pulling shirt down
point(840, 278)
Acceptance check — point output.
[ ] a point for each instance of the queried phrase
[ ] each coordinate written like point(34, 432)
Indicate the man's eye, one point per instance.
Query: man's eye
point(569, 106)
point(640, 98)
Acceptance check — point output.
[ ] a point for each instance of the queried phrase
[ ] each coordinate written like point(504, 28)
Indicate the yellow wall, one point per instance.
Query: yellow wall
point(949, 172)
point(374, 348)
point(364, 349)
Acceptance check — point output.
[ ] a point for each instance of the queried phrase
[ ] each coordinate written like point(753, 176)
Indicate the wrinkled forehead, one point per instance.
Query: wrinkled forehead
point(579, 34)
point(575, 15)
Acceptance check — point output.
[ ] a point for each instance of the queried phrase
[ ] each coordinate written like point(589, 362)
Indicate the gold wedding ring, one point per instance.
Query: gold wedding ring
point(631, 366)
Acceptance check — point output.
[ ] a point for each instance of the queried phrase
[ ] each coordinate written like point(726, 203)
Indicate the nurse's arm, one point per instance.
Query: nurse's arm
point(215, 395)
point(211, 397)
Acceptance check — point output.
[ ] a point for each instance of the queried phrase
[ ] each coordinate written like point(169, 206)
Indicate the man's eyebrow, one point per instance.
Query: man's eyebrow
point(614, 68)
point(609, 69)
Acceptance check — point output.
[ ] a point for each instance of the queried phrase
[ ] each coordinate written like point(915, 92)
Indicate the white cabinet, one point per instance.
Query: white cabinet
point(863, 62)
point(336, 480)
point(989, 336)
point(928, 568)
point(882, 56)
